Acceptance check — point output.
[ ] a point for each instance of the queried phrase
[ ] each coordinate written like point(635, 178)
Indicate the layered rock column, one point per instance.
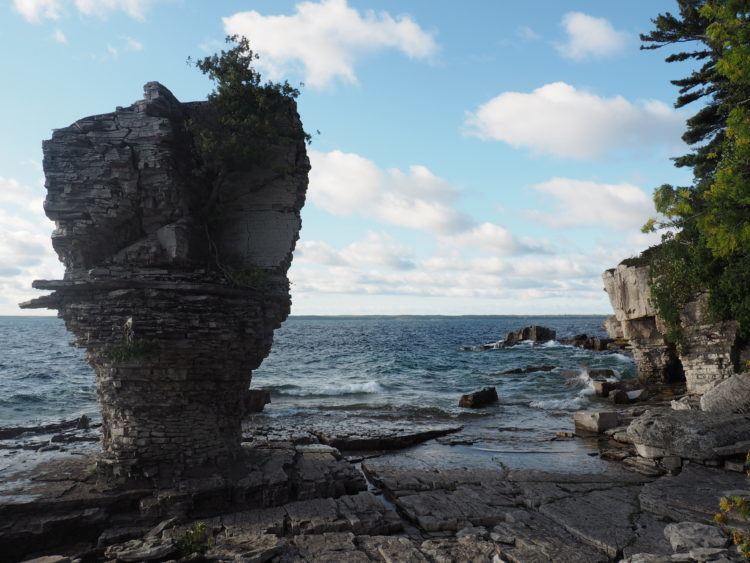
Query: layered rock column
point(635, 319)
point(711, 351)
point(175, 305)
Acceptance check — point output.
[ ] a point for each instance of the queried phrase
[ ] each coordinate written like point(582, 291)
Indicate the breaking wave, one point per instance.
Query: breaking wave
point(367, 388)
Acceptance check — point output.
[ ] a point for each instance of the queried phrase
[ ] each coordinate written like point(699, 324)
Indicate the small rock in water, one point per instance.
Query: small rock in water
point(528, 369)
point(478, 399)
point(596, 421)
point(534, 333)
point(602, 372)
point(603, 388)
point(83, 422)
point(619, 397)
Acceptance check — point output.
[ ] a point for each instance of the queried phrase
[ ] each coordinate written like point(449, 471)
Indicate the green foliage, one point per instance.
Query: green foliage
point(255, 278)
point(195, 540)
point(240, 123)
point(706, 246)
point(128, 350)
point(243, 123)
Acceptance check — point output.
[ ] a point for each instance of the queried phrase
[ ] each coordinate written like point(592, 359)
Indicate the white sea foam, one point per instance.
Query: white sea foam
point(369, 387)
point(572, 403)
point(555, 344)
point(622, 358)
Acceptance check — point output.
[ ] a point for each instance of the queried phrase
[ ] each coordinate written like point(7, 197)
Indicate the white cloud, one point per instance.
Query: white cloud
point(584, 203)
point(561, 120)
point(528, 34)
point(387, 268)
point(136, 9)
point(349, 184)
point(376, 250)
point(326, 38)
point(498, 239)
point(590, 38)
point(25, 246)
point(132, 44)
point(59, 37)
point(35, 11)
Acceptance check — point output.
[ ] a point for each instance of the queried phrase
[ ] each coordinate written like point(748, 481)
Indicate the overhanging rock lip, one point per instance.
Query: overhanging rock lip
point(72, 286)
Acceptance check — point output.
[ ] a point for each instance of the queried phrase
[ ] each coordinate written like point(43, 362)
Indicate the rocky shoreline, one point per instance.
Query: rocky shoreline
point(302, 500)
point(309, 490)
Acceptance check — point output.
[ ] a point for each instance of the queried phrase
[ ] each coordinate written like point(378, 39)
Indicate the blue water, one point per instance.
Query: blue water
point(394, 362)
point(398, 368)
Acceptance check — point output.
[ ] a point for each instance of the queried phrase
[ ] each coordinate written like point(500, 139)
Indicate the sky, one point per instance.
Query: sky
point(474, 157)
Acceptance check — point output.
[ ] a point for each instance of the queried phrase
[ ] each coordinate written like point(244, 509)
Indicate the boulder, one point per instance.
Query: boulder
point(689, 434)
point(256, 400)
point(588, 342)
point(603, 388)
point(596, 421)
point(685, 536)
point(619, 397)
point(535, 333)
point(601, 372)
point(478, 399)
point(730, 395)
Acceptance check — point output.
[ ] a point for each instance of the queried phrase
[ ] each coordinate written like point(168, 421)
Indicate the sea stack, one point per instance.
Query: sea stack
point(174, 296)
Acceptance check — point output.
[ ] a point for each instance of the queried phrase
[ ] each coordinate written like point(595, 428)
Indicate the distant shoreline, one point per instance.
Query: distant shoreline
point(397, 316)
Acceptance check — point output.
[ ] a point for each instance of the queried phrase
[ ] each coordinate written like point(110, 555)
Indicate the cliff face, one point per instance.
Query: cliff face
point(711, 352)
point(172, 340)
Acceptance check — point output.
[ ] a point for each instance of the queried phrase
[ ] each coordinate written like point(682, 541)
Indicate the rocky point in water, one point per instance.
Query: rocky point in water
point(174, 298)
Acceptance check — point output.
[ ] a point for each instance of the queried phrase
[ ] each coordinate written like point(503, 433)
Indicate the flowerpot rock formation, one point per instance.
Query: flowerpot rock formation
point(174, 298)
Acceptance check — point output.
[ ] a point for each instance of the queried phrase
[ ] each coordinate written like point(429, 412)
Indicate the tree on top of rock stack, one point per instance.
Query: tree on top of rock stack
point(239, 128)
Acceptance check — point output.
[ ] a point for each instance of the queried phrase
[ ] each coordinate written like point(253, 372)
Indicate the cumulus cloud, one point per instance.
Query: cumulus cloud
point(136, 9)
point(489, 236)
point(25, 248)
point(349, 184)
point(590, 37)
point(326, 38)
point(376, 249)
point(321, 269)
point(577, 203)
point(561, 120)
point(35, 11)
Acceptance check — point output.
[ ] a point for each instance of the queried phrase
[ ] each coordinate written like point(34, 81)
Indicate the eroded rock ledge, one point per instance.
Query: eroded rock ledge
point(172, 335)
point(712, 351)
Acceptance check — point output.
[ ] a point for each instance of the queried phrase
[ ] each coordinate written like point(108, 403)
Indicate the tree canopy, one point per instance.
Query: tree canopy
point(707, 238)
point(240, 122)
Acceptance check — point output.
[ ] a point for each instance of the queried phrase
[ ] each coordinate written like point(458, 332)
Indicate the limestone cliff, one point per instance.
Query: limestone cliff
point(711, 351)
point(172, 337)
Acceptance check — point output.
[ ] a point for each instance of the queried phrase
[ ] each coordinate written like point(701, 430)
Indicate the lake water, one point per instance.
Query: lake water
point(398, 368)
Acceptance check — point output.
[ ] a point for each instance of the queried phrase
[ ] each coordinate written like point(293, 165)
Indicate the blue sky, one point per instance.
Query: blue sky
point(479, 157)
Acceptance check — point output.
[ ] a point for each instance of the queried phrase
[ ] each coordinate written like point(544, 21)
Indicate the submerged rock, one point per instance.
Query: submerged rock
point(479, 399)
point(527, 369)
